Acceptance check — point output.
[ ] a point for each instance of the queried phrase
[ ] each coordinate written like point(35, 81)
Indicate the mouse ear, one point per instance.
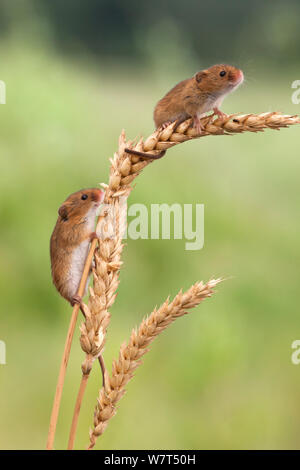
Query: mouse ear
point(200, 75)
point(63, 212)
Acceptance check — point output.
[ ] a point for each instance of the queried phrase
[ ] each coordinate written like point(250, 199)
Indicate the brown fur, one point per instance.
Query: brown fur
point(71, 229)
point(193, 95)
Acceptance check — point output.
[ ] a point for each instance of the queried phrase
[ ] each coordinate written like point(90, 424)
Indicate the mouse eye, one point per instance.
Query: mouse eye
point(222, 73)
point(84, 196)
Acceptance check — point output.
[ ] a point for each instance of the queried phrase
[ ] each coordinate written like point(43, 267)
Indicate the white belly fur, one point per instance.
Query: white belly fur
point(76, 267)
point(79, 256)
point(210, 103)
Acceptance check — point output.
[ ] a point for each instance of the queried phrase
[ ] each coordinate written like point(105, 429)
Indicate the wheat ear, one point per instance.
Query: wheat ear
point(130, 354)
point(125, 168)
point(110, 229)
point(163, 139)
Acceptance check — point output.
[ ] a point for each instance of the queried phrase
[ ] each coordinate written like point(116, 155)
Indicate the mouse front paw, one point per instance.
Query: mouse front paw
point(165, 125)
point(197, 125)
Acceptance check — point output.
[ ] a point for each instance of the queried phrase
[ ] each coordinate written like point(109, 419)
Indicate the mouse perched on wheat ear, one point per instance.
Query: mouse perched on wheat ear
point(194, 97)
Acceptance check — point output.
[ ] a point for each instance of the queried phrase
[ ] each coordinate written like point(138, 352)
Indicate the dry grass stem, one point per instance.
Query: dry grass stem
point(80, 395)
point(130, 354)
point(67, 349)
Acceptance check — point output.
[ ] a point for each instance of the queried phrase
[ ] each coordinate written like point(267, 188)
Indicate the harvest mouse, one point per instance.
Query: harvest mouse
point(70, 240)
point(195, 96)
point(69, 244)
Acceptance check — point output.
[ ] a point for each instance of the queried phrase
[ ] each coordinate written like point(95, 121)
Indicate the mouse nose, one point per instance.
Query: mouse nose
point(236, 76)
point(100, 195)
point(97, 195)
point(239, 77)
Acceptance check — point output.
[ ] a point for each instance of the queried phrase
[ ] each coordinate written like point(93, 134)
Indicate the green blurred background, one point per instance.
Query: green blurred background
point(77, 73)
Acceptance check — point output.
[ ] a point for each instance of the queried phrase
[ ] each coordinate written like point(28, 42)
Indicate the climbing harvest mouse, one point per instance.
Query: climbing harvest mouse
point(69, 244)
point(194, 97)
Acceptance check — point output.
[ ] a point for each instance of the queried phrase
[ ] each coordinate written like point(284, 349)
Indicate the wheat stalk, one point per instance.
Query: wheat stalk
point(124, 169)
point(163, 139)
point(110, 228)
point(130, 354)
point(67, 349)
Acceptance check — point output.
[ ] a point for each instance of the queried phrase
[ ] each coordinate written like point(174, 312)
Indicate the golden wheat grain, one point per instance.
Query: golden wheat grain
point(232, 124)
point(110, 229)
point(107, 260)
point(124, 169)
point(130, 354)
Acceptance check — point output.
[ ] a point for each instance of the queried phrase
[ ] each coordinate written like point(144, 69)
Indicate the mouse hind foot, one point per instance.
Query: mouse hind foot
point(219, 113)
point(76, 299)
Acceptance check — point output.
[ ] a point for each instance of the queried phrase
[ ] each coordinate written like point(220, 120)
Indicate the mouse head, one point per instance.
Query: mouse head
point(220, 79)
point(81, 203)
